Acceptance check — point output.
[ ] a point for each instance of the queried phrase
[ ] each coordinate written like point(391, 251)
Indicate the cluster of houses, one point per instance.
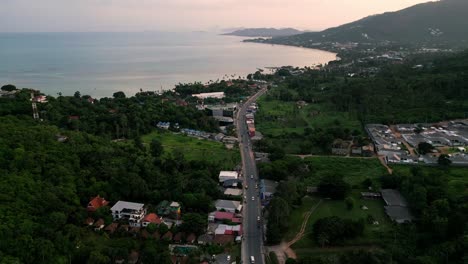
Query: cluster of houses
point(134, 218)
point(166, 125)
point(398, 144)
point(225, 224)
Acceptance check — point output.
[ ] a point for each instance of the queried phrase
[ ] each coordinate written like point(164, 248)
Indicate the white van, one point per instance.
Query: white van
point(252, 259)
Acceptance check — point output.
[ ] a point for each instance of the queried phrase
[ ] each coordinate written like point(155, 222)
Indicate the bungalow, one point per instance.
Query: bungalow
point(163, 125)
point(168, 236)
point(99, 224)
point(223, 239)
point(228, 206)
point(205, 239)
point(111, 228)
point(191, 238)
point(133, 212)
point(178, 237)
point(151, 219)
point(89, 221)
point(169, 209)
point(96, 203)
point(228, 175)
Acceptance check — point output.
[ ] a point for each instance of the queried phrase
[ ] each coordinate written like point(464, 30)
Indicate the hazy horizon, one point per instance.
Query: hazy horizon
point(185, 15)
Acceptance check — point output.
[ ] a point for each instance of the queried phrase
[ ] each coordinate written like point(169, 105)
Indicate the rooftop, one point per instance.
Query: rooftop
point(120, 205)
point(393, 197)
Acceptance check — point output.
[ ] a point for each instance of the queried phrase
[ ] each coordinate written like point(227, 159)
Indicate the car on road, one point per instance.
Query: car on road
point(251, 176)
point(252, 259)
point(256, 186)
point(253, 198)
point(229, 258)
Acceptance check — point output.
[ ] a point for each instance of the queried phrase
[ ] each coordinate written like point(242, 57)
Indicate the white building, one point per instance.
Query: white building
point(133, 212)
point(228, 206)
point(228, 175)
point(218, 95)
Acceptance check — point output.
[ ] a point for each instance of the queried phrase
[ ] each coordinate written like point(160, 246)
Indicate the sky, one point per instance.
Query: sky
point(185, 15)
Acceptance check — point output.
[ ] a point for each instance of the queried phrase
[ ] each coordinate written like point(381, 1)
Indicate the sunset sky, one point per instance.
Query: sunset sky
point(183, 15)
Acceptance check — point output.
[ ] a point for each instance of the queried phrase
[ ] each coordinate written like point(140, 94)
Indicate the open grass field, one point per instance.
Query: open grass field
point(373, 235)
point(196, 149)
point(354, 170)
point(277, 117)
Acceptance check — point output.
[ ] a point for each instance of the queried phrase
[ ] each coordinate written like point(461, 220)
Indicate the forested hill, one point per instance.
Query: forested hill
point(442, 22)
point(265, 32)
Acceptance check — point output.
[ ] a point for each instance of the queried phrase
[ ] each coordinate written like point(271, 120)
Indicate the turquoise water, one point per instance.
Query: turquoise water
point(99, 64)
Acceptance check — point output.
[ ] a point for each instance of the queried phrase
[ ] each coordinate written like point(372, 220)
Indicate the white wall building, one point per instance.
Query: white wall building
point(133, 212)
point(228, 175)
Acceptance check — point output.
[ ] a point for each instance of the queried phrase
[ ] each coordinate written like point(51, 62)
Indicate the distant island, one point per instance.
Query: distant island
point(265, 32)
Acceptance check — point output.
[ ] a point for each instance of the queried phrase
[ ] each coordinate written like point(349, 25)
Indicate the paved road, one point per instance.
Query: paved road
point(253, 237)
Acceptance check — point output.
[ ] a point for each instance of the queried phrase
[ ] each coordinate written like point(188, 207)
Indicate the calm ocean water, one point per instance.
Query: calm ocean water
point(99, 64)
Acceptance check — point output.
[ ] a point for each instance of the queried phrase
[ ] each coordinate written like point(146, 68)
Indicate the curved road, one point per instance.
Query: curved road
point(253, 236)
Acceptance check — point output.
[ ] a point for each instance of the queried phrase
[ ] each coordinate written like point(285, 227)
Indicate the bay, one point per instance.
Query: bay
point(99, 64)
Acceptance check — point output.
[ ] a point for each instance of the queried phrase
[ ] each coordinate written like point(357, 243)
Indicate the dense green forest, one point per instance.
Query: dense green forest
point(49, 170)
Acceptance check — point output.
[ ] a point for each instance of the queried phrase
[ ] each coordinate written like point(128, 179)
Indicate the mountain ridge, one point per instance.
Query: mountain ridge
point(432, 22)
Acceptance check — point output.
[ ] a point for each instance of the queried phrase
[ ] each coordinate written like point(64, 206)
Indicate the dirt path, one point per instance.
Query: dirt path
point(284, 251)
point(382, 160)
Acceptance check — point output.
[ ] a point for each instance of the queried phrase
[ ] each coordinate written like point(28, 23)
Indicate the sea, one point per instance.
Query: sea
point(99, 64)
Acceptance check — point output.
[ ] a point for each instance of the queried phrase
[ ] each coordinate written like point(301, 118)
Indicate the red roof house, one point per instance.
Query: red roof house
point(224, 216)
point(151, 219)
point(96, 203)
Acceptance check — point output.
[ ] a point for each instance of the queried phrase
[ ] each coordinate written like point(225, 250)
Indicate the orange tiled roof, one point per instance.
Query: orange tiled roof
point(96, 202)
point(152, 218)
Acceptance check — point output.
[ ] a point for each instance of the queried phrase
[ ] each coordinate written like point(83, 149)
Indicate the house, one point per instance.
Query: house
point(89, 221)
point(191, 238)
point(228, 206)
point(96, 203)
point(340, 147)
point(133, 212)
point(228, 175)
point(111, 228)
point(163, 125)
point(40, 99)
point(267, 189)
point(220, 216)
point(168, 236)
point(133, 257)
point(233, 192)
point(151, 219)
point(178, 237)
point(99, 224)
point(205, 239)
point(397, 207)
point(230, 140)
point(301, 104)
point(169, 209)
point(236, 183)
point(223, 239)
